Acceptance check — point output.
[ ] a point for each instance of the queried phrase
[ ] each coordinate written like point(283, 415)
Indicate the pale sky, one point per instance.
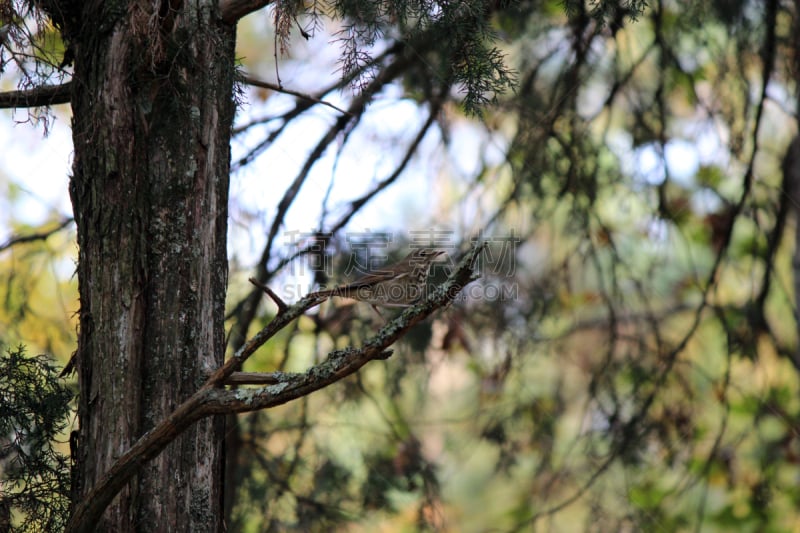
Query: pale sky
point(41, 165)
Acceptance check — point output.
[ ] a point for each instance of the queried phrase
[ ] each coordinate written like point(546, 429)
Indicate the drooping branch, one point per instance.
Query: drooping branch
point(212, 399)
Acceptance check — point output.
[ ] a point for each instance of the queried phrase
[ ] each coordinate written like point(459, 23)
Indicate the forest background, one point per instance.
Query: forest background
point(629, 359)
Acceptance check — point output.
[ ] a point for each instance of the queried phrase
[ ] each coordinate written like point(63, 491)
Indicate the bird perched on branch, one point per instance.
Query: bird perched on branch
point(398, 285)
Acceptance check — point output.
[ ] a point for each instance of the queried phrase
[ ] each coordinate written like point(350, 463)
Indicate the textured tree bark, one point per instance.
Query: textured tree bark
point(152, 112)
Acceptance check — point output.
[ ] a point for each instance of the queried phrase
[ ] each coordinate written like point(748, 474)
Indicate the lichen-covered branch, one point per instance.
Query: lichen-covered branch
point(211, 399)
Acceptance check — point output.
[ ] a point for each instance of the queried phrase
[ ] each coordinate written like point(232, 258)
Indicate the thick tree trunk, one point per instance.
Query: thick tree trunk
point(152, 112)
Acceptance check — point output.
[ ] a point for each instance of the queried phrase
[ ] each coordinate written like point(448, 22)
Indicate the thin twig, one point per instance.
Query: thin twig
point(40, 236)
point(213, 399)
point(357, 107)
point(281, 89)
point(269, 292)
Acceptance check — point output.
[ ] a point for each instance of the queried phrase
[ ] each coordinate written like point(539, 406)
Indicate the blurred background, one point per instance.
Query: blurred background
point(628, 360)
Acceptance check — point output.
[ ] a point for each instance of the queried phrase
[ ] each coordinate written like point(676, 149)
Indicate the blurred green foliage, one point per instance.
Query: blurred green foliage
point(638, 380)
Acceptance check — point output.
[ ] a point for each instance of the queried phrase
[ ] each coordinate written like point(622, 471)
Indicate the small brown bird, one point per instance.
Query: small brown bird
point(397, 285)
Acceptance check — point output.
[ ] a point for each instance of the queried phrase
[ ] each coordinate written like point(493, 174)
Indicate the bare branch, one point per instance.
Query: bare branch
point(355, 111)
point(210, 399)
point(280, 89)
point(269, 292)
point(40, 236)
point(232, 10)
point(245, 309)
point(301, 106)
point(358, 203)
point(43, 96)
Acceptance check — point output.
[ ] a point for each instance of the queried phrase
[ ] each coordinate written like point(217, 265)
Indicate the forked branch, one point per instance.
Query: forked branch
point(213, 399)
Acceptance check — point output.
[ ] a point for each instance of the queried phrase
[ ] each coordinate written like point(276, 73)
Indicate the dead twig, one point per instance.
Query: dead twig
point(212, 398)
point(269, 292)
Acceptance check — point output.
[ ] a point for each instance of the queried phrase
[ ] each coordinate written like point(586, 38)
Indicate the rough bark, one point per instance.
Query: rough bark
point(152, 107)
point(283, 387)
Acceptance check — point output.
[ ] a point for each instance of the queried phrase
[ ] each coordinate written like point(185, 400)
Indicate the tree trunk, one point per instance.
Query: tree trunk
point(152, 112)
